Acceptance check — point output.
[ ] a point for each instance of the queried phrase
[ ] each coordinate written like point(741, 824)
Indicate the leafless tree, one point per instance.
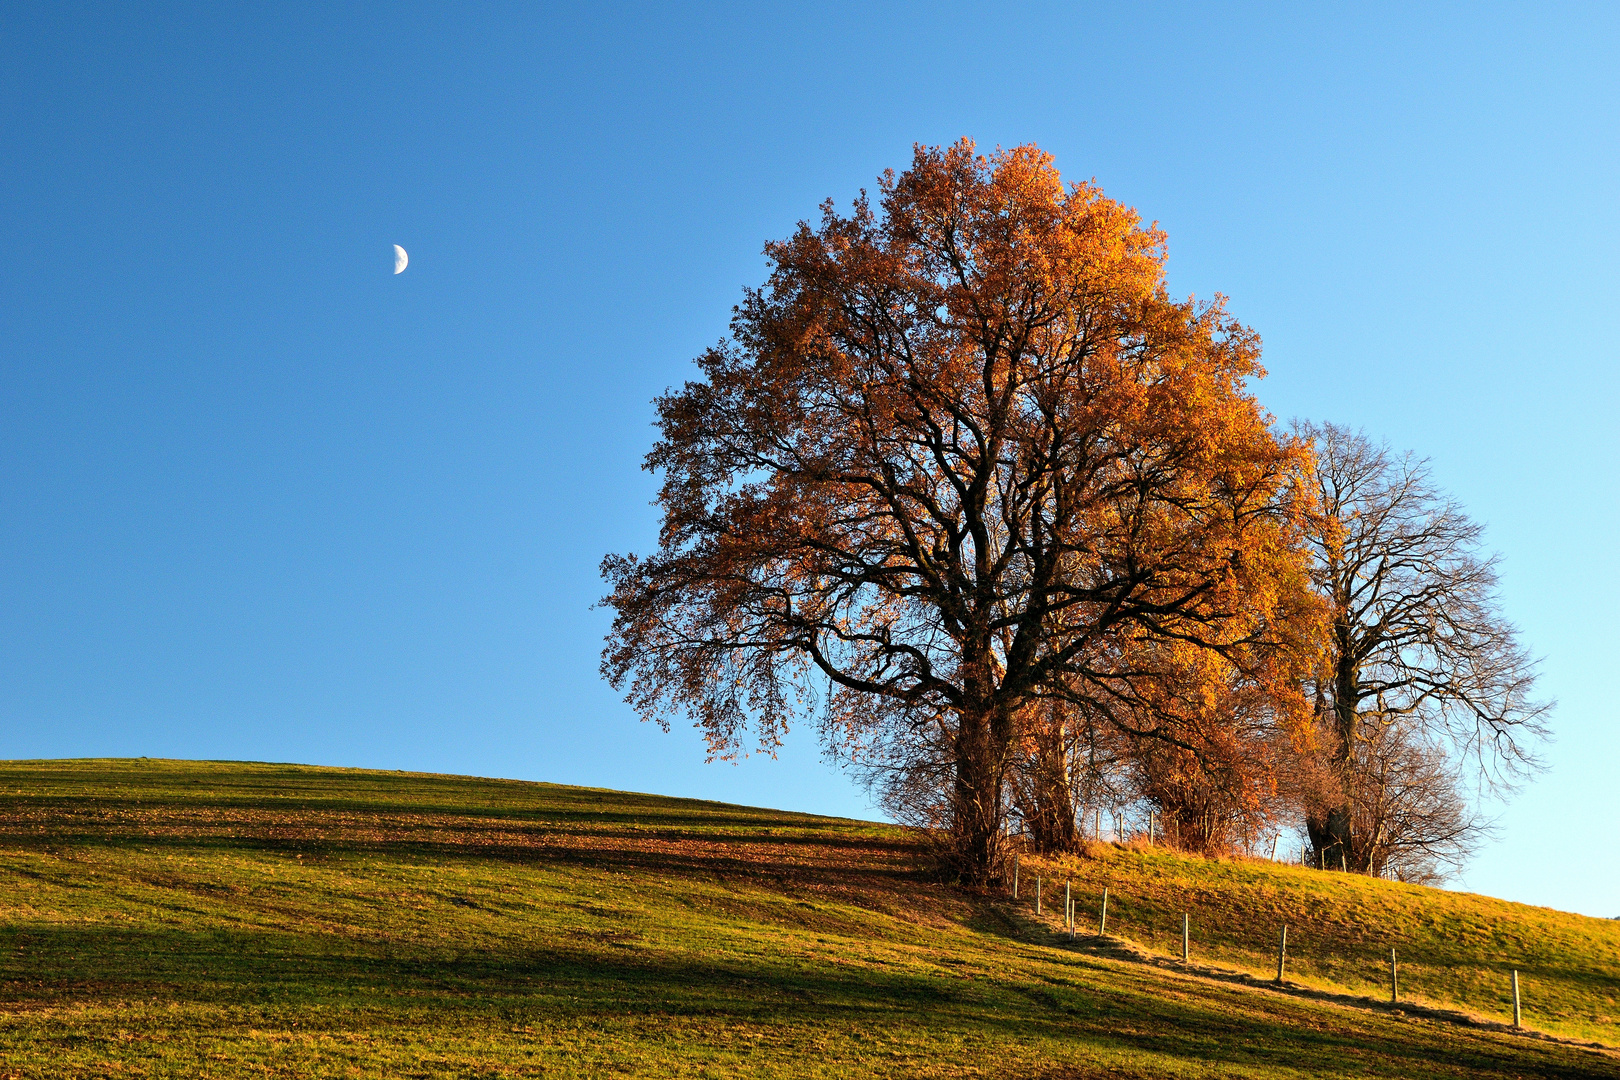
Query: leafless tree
point(1409, 801)
point(1424, 678)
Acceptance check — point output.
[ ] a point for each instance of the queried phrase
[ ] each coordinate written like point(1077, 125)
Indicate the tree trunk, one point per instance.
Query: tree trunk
point(1332, 833)
point(976, 824)
point(1052, 825)
point(1331, 837)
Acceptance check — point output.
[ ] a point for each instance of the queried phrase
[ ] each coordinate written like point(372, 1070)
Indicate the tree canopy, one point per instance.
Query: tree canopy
point(963, 456)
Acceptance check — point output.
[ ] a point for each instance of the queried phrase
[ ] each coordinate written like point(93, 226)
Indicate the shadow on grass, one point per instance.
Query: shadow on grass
point(1110, 1012)
point(794, 860)
point(1022, 926)
point(654, 815)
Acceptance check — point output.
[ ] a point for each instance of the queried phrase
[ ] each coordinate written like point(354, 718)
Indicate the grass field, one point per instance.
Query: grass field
point(1455, 950)
point(181, 919)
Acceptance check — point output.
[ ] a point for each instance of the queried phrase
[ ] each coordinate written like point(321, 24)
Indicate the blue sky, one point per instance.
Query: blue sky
point(260, 498)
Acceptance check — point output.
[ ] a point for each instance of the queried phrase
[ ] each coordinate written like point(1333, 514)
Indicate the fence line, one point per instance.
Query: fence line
point(1071, 905)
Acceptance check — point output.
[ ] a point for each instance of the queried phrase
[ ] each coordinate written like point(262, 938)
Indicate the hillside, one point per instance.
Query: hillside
point(1455, 950)
point(178, 919)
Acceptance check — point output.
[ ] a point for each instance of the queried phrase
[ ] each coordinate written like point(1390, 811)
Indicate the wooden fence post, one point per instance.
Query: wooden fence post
point(1102, 923)
point(1186, 926)
point(1068, 909)
point(1516, 1017)
point(1015, 875)
point(1037, 894)
point(1394, 979)
point(1282, 951)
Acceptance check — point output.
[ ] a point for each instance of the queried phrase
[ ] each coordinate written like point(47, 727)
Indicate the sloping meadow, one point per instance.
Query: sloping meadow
point(179, 919)
point(1453, 950)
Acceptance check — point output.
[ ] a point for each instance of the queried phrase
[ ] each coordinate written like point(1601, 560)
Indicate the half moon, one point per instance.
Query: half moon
point(400, 259)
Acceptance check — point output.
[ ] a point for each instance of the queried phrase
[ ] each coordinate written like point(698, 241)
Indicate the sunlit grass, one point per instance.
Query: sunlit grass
point(175, 919)
point(1453, 949)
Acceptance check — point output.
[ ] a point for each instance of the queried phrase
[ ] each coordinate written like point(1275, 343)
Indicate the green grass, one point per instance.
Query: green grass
point(179, 919)
point(1455, 950)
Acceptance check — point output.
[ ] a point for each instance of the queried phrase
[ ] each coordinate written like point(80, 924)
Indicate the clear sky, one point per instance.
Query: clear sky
point(260, 498)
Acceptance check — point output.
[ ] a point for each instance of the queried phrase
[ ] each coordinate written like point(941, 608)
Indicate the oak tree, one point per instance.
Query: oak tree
point(961, 453)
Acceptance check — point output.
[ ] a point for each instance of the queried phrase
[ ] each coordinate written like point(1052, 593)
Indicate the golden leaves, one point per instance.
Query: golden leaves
point(963, 449)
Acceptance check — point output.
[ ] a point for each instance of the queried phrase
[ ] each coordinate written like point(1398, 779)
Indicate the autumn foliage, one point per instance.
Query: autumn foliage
point(962, 463)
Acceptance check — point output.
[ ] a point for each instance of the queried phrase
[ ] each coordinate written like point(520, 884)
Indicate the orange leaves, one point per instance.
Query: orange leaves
point(963, 451)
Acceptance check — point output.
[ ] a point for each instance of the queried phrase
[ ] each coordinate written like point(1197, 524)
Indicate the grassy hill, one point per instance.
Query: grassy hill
point(1454, 950)
point(178, 919)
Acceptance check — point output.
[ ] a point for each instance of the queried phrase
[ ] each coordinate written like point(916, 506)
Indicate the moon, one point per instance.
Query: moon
point(400, 259)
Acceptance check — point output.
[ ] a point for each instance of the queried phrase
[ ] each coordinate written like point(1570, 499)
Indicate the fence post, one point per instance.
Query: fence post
point(1515, 997)
point(1282, 951)
point(1275, 837)
point(1015, 875)
point(1097, 827)
point(1186, 926)
point(1102, 924)
point(1394, 979)
point(1068, 909)
point(1037, 894)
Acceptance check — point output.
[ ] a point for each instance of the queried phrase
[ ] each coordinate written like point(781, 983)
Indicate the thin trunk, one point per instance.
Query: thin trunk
point(1332, 829)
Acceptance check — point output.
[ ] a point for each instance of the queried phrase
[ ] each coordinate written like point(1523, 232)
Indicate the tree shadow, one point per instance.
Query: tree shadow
point(44, 966)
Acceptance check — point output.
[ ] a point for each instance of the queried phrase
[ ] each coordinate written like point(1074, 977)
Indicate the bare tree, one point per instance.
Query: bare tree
point(1409, 802)
point(1423, 676)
